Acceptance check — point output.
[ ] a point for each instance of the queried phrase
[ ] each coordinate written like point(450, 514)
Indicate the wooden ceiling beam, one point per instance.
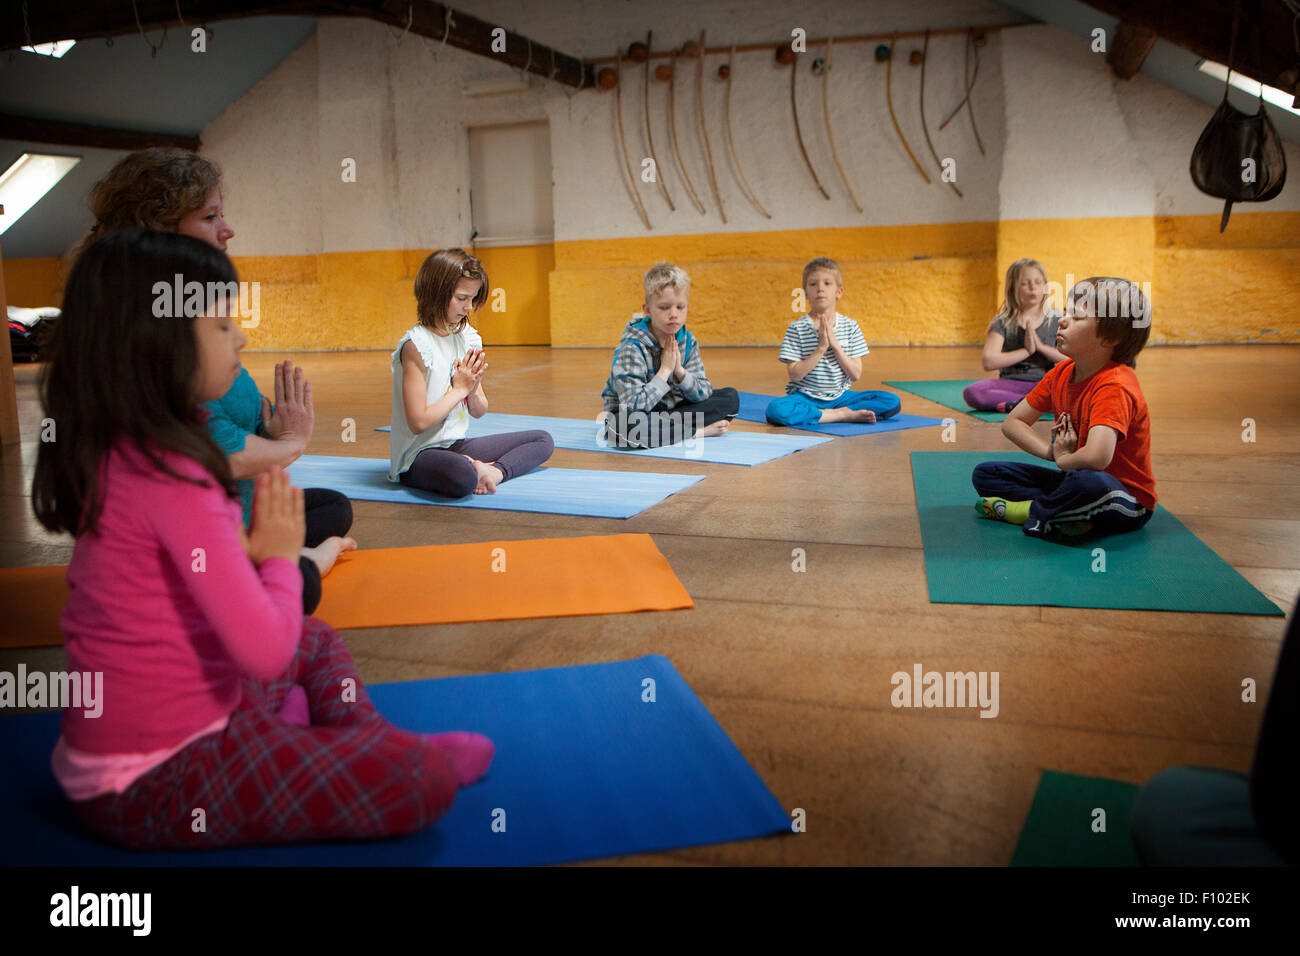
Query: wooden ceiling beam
point(1265, 48)
point(46, 22)
point(1129, 49)
point(77, 20)
point(30, 129)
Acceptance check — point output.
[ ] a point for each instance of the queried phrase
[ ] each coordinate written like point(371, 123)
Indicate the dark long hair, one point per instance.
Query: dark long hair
point(119, 372)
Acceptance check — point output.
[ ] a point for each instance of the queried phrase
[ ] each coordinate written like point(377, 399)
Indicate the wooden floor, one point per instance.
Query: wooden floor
point(796, 667)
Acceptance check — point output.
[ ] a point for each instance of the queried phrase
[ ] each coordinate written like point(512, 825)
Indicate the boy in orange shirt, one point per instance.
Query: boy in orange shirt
point(1101, 439)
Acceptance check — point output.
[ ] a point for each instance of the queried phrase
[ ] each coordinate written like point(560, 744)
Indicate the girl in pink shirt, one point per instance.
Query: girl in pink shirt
point(197, 626)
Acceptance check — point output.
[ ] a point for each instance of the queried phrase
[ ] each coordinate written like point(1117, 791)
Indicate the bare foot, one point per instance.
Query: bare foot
point(717, 428)
point(864, 416)
point(489, 476)
point(327, 552)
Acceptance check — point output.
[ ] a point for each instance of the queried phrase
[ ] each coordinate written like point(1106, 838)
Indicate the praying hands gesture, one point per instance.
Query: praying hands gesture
point(468, 372)
point(670, 363)
point(1065, 440)
point(279, 524)
point(826, 339)
point(293, 416)
point(1031, 340)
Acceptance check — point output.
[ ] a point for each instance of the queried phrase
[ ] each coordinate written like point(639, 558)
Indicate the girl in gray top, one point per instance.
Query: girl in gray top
point(1021, 341)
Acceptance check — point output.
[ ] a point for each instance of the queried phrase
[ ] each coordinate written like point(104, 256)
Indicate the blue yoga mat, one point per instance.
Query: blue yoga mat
point(579, 434)
point(585, 768)
point(560, 491)
point(753, 406)
point(972, 560)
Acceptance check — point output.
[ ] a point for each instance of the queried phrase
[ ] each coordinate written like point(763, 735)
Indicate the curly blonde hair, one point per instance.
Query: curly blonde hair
point(152, 188)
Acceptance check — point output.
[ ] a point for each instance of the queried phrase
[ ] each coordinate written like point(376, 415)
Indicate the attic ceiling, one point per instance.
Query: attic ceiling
point(127, 86)
point(1206, 26)
point(123, 86)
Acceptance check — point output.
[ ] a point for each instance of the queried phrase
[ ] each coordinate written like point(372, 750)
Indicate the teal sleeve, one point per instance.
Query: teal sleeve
point(229, 436)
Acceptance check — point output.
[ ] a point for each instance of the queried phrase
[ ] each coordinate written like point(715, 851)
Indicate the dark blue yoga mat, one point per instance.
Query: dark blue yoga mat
point(585, 768)
point(579, 434)
point(753, 406)
point(560, 491)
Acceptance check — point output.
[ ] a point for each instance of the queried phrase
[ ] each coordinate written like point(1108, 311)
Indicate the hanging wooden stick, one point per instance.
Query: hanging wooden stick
point(925, 56)
point(969, 79)
point(889, 98)
point(798, 135)
point(970, 108)
point(622, 141)
point(672, 136)
point(830, 133)
point(704, 133)
point(650, 140)
point(744, 183)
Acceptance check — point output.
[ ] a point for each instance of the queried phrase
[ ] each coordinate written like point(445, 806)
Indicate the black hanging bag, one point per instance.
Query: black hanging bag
point(1219, 166)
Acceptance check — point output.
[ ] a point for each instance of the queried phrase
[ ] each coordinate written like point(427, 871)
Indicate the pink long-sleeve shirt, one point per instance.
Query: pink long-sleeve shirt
point(166, 603)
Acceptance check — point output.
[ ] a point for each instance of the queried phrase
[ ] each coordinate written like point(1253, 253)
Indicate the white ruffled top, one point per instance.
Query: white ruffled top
point(439, 353)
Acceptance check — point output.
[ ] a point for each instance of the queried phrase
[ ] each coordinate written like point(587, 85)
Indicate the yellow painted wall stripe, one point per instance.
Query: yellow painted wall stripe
point(934, 284)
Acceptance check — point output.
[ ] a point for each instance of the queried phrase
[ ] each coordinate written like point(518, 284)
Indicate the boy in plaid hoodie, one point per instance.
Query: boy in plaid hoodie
point(657, 393)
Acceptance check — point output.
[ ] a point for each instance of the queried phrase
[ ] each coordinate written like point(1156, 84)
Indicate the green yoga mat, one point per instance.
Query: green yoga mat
point(1059, 829)
point(948, 393)
point(972, 560)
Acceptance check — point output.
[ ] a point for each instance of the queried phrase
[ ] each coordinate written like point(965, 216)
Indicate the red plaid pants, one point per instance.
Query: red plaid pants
point(351, 775)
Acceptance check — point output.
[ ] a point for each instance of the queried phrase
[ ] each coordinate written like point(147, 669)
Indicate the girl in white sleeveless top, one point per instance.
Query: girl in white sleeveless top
point(438, 368)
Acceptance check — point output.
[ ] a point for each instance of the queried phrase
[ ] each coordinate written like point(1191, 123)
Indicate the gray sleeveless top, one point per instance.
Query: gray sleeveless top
point(1035, 366)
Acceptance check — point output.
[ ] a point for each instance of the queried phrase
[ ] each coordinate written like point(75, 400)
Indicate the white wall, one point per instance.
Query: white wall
point(354, 91)
point(268, 146)
point(1069, 153)
point(1083, 144)
point(1064, 137)
point(1165, 125)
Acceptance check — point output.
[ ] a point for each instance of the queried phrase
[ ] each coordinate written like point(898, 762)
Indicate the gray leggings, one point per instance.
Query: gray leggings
point(446, 471)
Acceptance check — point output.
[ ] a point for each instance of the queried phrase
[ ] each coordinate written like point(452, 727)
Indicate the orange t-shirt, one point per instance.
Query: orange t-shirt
point(1112, 397)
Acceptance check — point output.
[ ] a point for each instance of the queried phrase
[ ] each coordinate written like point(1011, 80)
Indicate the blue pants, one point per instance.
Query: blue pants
point(1062, 497)
point(798, 409)
point(1195, 816)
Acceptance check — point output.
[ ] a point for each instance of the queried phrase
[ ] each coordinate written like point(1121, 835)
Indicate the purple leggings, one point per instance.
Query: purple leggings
point(446, 471)
point(984, 394)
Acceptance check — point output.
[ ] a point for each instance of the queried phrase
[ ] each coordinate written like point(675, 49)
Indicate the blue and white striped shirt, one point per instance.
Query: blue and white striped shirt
point(827, 380)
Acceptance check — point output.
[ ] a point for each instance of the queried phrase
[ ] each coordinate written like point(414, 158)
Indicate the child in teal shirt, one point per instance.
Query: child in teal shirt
point(255, 436)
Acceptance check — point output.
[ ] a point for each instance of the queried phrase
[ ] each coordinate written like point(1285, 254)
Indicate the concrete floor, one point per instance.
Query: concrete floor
point(796, 667)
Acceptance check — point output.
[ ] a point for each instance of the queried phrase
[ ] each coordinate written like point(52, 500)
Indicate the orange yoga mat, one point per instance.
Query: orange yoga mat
point(500, 581)
point(436, 584)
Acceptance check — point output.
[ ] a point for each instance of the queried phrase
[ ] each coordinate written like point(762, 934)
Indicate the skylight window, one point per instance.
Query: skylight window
point(1278, 98)
point(55, 49)
point(24, 183)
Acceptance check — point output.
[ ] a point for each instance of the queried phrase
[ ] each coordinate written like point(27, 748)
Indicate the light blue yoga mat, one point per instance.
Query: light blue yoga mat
point(972, 560)
point(753, 406)
point(579, 434)
point(585, 768)
point(561, 491)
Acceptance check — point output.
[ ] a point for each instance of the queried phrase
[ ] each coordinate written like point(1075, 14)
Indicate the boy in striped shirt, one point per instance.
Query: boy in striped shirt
point(823, 353)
